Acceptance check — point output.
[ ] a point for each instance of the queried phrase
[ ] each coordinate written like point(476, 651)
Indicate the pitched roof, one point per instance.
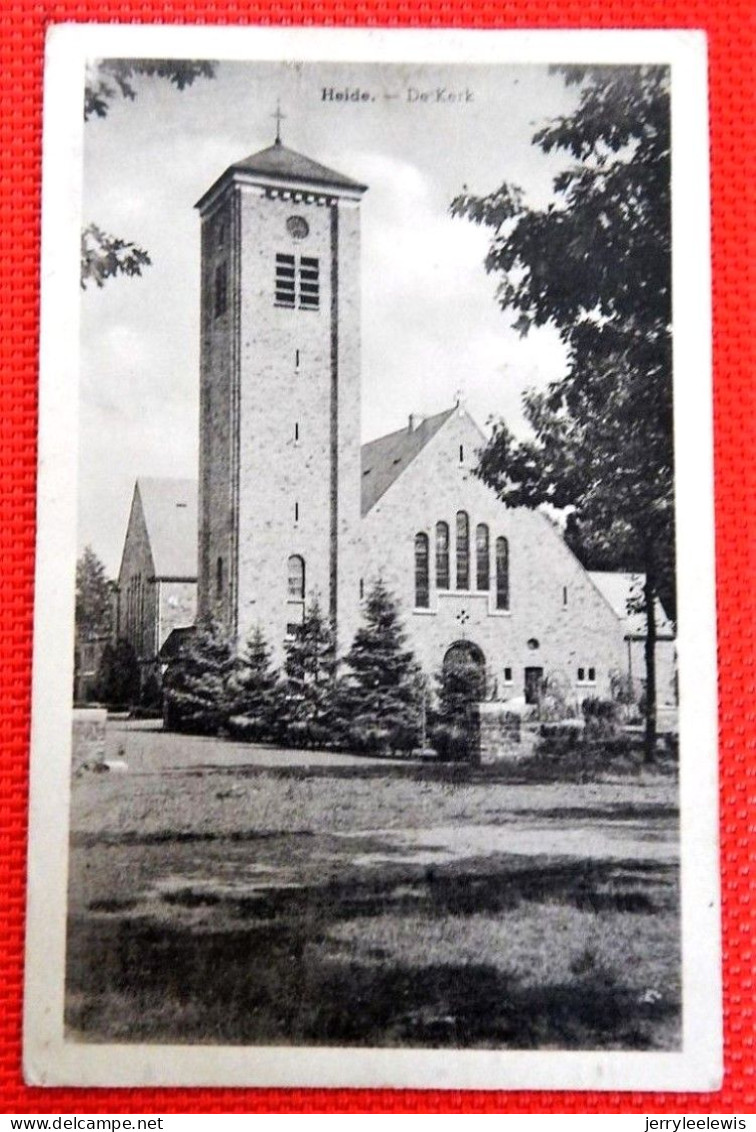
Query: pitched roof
point(280, 161)
point(170, 514)
point(618, 588)
point(384, 459)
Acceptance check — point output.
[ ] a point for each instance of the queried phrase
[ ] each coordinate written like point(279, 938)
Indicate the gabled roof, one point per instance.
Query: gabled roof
point(278, 162)
point(169, 507)
point(384, 459)
point(618, 588)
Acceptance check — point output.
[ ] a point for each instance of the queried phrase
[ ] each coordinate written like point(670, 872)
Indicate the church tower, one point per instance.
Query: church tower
point(279, 484)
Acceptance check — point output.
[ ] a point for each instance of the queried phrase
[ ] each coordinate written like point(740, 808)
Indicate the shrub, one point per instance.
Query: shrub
point(118, 678)
point(452, 742)
point(196, 685)
point(601, 717)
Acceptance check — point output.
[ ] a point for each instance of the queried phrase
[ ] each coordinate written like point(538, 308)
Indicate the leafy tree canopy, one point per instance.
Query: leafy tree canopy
point(108, 78)
point(596, 264)
point(104, 256)
point(94, 608)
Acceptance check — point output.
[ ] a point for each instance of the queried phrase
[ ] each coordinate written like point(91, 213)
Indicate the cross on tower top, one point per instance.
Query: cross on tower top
point(279, 116)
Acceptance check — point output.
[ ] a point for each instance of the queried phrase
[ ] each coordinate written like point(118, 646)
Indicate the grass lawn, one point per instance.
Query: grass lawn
point(224, 893)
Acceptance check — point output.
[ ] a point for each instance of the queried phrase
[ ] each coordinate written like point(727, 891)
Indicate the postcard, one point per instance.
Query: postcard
point(374, 716)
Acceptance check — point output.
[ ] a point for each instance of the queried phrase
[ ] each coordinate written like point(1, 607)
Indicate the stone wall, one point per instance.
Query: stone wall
point(501, 734)
point(88, 740)
point(557, 620)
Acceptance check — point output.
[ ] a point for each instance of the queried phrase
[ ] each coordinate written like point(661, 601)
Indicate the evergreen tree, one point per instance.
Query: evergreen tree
point(309, 706)
point(94, 597)
point(461, 682)
point(196, 688)
point(255, 691)
point(382, 689)
point(118, 678)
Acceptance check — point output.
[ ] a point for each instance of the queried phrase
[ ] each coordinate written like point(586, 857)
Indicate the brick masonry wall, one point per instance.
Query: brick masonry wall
point(582, 633)
point(177, 607)
point(137, 564)
point(280, 403)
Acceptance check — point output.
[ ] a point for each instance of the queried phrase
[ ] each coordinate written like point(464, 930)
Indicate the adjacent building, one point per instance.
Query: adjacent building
point(157, 581)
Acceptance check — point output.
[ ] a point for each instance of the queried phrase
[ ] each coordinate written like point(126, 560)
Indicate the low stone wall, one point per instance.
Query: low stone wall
point(88, 746)
point(501, 735)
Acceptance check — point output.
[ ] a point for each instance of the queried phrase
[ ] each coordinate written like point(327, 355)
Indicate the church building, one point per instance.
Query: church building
point(291, 505)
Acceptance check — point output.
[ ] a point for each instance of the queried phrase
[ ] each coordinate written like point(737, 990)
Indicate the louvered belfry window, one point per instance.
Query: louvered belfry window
point(297, 281)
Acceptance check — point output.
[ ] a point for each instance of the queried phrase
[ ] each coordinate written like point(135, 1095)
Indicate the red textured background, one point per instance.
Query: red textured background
point(730, 26)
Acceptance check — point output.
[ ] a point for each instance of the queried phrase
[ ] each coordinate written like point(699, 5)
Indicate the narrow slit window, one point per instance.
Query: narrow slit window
point(296, 431)
point(483, 568)
point(581, 674)
point(219, 578)
point(362, 588)
point(463, 551)
point(296, 359)
point(461, 454)
point(422, 583)
point(296, 578)
point(221, 290)
point(442, 556)
point(564, 595)
point(296, 512)
point(502, 573)
point(592, 674)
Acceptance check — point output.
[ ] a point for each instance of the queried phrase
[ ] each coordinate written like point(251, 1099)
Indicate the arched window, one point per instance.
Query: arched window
point(422, 590)
point(296, 584)
point(502, 573)
point(442, 556)
point(463, 551)
point(483, 568)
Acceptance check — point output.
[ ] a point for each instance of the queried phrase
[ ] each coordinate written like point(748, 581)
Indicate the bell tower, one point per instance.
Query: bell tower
point(279, 477)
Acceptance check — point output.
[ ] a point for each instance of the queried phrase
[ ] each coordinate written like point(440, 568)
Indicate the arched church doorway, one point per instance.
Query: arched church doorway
point(464, 670)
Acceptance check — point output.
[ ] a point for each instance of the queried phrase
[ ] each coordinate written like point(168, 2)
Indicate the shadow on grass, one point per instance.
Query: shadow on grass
point(251, 987)
point(258, 968)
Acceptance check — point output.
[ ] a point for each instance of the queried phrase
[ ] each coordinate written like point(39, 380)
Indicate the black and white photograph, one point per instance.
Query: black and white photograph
point(374, 733)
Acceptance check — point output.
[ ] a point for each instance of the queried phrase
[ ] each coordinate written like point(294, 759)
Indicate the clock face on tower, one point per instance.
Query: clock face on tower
point(297, 227)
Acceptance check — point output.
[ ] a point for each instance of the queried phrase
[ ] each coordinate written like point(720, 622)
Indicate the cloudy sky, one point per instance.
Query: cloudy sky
point(431, 326)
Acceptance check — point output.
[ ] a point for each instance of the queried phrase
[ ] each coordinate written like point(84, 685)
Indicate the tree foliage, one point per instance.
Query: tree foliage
point(196, 696)
point(382, 687)
point(109, 78)
point(310, 690)
point(255, 691)
point(94, 601)
point(596, 264)
point(104, 256)
point(118, 677)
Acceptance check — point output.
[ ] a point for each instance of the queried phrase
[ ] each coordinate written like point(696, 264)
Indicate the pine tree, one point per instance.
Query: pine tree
point(382, 689)
point(197, 684)
point(118, 677)
point(309, 705)
point(94, 598)
point(255, 691)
